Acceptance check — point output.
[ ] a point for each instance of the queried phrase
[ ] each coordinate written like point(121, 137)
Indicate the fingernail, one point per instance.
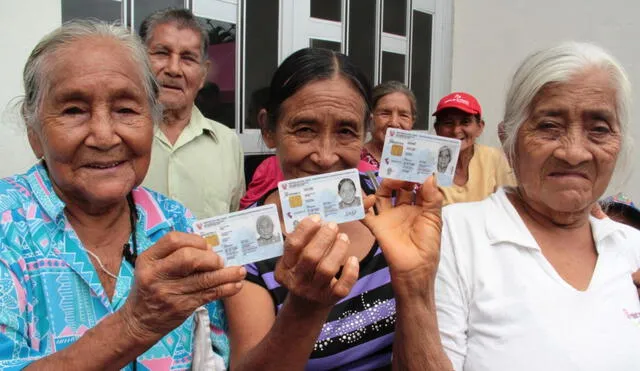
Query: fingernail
point(242, 271)
point(333, 226)
point(239, 285)
point(353, 261)
point(435, 179)
point(344, 237)
point(315, 218)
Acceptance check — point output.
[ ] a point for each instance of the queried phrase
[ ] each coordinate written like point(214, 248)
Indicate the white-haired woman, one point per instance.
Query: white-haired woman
point(528, 280)
point(75, 226)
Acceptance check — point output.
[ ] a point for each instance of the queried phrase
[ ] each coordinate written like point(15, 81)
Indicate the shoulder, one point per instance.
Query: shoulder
point(157, 206)
point(469, 210)
point(489, 153)
point(221, 131)
point(14, 192)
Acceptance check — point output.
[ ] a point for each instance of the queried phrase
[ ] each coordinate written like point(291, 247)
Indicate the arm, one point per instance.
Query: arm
point(409, 236)
point(313, 254)
point(257, 335)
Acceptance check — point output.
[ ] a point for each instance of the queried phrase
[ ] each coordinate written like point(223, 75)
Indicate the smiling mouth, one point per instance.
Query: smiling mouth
point(172, 87)
point(569, 175)
point(104, 165)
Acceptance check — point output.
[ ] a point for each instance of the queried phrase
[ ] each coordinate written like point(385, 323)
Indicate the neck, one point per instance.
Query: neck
point(374, 148)
point(174, 121)
point(544, 217)
point(464, 158)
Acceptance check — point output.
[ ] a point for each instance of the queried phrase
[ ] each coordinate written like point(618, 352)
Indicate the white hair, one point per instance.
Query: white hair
point(559, 64)
point(36, 71)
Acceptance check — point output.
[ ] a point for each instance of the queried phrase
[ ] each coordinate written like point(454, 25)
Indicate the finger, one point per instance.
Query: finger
point(342, 287)
point(173, 241)
point(187, 261)
point(316, 250)
point(636, 278)
point(330, 264)
point(597, 211)
point(202, 282)
point(298, 239)
point(219, 292)
point(429, 196)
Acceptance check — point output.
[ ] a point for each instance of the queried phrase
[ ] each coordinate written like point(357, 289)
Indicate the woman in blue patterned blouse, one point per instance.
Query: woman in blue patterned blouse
point(74, 226)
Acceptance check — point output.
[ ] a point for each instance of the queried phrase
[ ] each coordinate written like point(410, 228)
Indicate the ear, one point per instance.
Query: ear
point(502, 135)
point(35, 143)
point(268, 135)
point(481, 125)
point(205, 74)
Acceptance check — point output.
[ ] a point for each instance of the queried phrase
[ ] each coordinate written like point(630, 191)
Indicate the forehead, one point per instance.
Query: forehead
point(173, 35)
point(395, 98)
point(591, 88)
point(335, 97)
point(84, 61)
point(450, 114)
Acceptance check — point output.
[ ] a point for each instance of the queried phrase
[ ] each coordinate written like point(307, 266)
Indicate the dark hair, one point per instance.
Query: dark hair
point(309, 65)
point(345, 181)
point(438, 115)
point(389, 87)
point(183, 18)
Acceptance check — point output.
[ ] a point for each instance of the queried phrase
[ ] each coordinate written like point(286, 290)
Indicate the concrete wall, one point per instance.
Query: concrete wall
point(23, 23)
point(491, 37)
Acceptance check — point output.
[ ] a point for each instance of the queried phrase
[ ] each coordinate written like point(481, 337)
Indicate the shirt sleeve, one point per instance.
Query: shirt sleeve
point(16, 347)
point(451, 301)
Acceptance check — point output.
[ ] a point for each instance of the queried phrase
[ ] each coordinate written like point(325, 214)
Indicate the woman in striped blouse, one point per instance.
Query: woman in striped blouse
point(345, 296)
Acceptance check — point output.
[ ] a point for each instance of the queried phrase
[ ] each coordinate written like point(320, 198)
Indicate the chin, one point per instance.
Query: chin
point(569, 202)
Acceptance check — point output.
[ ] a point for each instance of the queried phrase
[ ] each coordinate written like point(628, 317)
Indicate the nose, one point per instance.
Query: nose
point(173, 66)
point(574, 148)
point(102, 132)
point(325, 156)
point(394, 120)
point(458, 129)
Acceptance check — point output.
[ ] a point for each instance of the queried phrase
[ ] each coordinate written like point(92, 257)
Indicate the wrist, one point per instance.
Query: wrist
point(133, 332)
point(414, 285)
point(303, 307)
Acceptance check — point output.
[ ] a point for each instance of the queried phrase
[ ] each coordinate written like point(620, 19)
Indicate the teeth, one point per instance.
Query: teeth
point(95, 166)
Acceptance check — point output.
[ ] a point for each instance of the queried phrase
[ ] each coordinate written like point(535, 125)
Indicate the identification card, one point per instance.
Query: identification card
point(336, 197)
point(244, 237)
point(414, 155)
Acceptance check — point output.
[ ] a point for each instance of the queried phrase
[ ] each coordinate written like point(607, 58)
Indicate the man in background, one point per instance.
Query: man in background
point(194, 160)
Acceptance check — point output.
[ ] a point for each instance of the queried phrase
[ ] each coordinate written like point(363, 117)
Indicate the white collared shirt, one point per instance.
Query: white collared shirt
point(502, 306)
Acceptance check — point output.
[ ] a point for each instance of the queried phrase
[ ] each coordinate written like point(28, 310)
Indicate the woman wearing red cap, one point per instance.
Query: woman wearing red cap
point(480, 170)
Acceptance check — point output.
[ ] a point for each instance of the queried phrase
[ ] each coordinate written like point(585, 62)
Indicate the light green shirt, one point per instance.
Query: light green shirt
point(204, 169)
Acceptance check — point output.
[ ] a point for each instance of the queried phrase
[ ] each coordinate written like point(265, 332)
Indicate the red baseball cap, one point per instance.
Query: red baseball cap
point(462, 101)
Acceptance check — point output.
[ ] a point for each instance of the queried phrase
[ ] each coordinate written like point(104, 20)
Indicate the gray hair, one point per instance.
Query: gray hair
point(183, 18)
point(36, 70)
point(559, 64)
point(390, 87)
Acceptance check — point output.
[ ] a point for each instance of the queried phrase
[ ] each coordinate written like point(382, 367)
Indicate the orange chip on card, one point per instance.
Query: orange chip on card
point(396, 149)
point(212, 239)
point(295, 201)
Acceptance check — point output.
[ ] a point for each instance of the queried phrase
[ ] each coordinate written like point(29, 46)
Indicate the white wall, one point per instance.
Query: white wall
point(22, 25)
point(491, 37)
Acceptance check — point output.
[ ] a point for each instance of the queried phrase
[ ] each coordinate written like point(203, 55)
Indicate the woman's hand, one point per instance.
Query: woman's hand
point(408, 232)
point(313, 255)
point(173, 278)
point(636, 280)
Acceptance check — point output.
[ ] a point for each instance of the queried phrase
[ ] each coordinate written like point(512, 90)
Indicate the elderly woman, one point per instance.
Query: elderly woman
point(76, 225)
point(480, 170)
point(342, 296)
point(394, 106)
point(528, 279)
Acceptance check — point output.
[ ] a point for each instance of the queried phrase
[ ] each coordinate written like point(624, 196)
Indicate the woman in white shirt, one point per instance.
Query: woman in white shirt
point(528, 280)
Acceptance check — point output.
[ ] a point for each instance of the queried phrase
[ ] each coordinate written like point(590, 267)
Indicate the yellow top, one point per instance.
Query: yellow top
point(204, 169)
point(488, 170)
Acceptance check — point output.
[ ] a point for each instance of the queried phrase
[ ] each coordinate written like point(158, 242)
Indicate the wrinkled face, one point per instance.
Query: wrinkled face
point(320, 129)
point(265, 227)
point(391, 111)
point(567, 148)
point(177, 62)
point(454, 123)
point(95, 127)
point(347, 192)
point(444, 157)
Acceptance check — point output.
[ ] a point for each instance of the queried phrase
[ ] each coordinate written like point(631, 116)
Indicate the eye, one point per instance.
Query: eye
point(601, 129)
point(126, 111)
point(72, 110)
point(546, 125)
